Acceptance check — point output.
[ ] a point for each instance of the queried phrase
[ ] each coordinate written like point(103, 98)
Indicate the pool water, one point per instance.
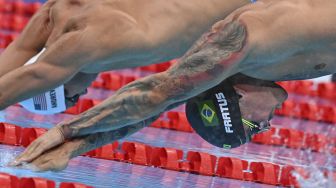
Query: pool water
point(110, 173)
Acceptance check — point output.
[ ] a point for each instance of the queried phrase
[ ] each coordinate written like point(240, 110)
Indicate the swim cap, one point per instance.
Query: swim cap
point(50, 102)
point(215, 115)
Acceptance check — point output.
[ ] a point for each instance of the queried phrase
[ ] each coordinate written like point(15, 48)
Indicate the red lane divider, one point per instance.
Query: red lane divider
point(296, 139)
point(30, 134)
point(36, 183)
point(178, 121)
point(232, 168)
point(305, 110)
point(73, 185)
point(173, 120)
point(265, 172)
point(10, 134)
point(6, 38)
point(105, 152)
point(137, 153)
point(172, 159)
point(167, 158)
point(81, 106)
point(156, 68)
point(205, 164)
point(288, 179)
point(12, 22)
point(202, 163)
point(308, 110)
point(309, 88)
point(11, 181)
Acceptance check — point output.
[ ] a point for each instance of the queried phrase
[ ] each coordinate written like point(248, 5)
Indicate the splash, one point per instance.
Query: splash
point(6, 157)
point(315, 179)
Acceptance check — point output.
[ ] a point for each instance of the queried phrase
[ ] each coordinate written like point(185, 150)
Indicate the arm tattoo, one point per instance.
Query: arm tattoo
point(93, 141)
point(214, 58)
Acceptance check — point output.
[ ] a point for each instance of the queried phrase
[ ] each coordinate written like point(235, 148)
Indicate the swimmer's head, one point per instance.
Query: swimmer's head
point(61, 98)
point(72, 100)
point(229, 114)
point(258, 99)
point(52, 102)
point(77, 87)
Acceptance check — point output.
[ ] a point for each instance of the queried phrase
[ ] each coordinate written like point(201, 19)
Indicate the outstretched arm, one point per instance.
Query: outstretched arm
point(30, 42)
point(215, 57)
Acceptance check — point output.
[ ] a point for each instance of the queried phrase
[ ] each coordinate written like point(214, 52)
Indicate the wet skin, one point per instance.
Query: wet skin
point(90, 36)
point(262, 40)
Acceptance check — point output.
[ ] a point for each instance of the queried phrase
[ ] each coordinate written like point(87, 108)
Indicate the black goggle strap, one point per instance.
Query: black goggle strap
point(254, 127)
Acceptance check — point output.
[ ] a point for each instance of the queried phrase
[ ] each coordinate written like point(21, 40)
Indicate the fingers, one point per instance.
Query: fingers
point(52, 138)
point(48, 164)
point(55, 159)
point(29, 154)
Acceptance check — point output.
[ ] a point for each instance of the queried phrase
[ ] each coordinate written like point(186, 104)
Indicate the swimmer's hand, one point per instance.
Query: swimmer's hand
point(50, 139)
point(56, 159)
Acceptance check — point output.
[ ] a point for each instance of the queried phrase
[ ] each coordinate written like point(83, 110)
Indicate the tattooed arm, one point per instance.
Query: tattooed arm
point(215, 57)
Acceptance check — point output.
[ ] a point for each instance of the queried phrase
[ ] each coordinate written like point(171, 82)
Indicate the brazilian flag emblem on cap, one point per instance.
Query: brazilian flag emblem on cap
point(208, 113)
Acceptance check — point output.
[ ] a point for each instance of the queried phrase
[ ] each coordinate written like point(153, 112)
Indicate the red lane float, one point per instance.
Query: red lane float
point(107, 151)
point(167, 158)
point(202, 163)
point(19, 7)
point(9, 181)
point(10, 134)
point(231, 168)
point(265, 172)
point(179, 121)
point(170, 158)
point(73, 185)
point(137, 153)
point(30, 134)
point(36, 183)
point(81, 106)
point(291, 138)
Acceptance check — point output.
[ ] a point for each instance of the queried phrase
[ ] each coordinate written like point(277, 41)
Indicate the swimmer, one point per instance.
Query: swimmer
point(268, 41)
point(82, 38)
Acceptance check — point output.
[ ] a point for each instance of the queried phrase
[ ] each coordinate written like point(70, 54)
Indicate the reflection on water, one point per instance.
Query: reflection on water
point(6, 156)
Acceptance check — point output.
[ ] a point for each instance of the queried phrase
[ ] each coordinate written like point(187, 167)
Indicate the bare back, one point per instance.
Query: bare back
point(291, 39)
point(152, 31)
